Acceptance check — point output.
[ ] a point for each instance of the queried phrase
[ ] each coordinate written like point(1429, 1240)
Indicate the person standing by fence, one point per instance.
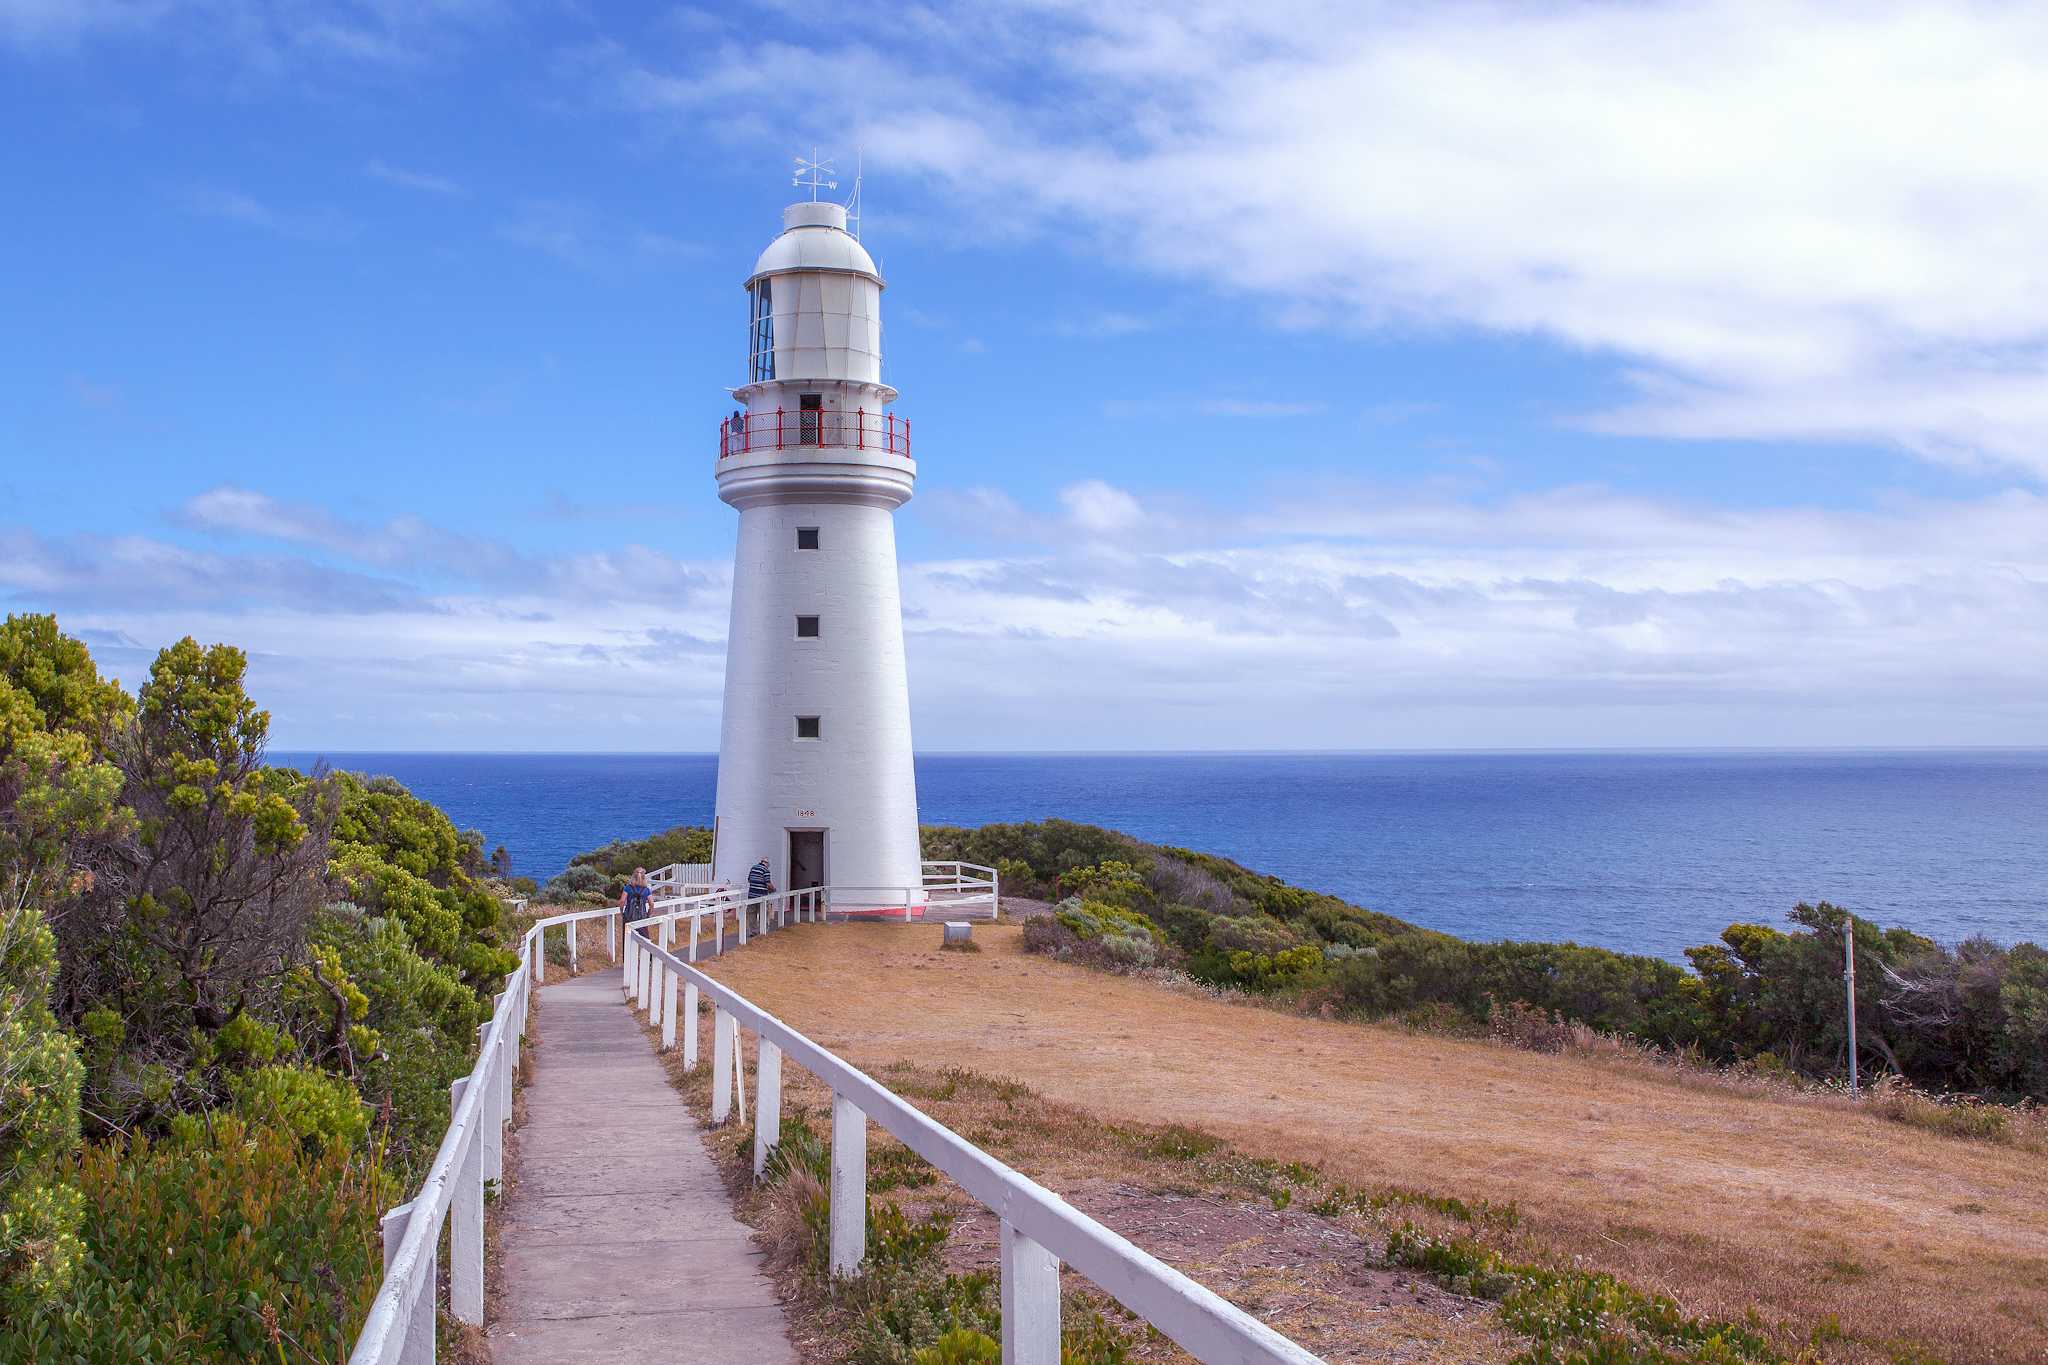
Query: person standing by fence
point(634, 898)
point(760, 882)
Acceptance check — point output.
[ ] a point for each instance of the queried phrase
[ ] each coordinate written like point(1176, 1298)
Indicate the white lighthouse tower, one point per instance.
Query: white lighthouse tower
point(814, 764)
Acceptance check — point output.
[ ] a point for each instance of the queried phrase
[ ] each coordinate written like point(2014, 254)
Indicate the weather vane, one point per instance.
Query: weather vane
point(817, 171)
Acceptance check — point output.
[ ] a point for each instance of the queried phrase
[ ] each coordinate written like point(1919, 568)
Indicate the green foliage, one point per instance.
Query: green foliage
point(397, 855)
point(1972, 1019)
point(615, 861)
point(1097, 919)
point(308, 1104)
point(1110, 882)
point(961, 1347)
point(580, 884)
point(226, 1246)
point(1576, 1315)
point(56, 789)
point(419, 1020)
point(223, 1018)
point(797, 1148)
point(1285, 969)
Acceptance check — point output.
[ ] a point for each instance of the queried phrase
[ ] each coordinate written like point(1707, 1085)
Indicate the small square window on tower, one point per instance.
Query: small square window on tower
point(807, 537)
point(807, 727)
point(806, 627)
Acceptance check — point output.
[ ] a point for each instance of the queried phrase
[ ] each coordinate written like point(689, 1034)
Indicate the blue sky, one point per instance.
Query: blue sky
point(1299, 376)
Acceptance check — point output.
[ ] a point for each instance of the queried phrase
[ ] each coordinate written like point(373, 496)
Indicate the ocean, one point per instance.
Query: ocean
point(1642, 852)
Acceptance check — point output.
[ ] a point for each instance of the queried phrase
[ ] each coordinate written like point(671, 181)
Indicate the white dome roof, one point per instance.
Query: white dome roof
point(814, 237)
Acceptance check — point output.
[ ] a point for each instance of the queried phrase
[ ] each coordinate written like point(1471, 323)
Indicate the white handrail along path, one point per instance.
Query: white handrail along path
point(400, 1326)
point(1039, 1229)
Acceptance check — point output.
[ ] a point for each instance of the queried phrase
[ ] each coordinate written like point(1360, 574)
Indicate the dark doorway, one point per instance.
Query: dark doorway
point(806, 858)
point(809, 412)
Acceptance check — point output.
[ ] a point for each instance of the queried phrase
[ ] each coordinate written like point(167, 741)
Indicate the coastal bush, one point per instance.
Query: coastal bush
point(229, 1242)
point(1971, 1019)
point(251, 962)
point(1096, 919)
point(576, 885)
point(615, 861)
point(57, 716)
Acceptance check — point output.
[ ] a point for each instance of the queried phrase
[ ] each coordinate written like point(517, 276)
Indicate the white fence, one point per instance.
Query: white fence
point(400, 1328)
point(1040, 1230)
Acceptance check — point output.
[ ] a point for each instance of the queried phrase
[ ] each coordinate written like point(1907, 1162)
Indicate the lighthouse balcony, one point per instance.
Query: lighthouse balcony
point(759, 432)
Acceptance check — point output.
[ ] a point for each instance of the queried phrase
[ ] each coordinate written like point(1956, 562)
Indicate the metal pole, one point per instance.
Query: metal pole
point(1849, 980)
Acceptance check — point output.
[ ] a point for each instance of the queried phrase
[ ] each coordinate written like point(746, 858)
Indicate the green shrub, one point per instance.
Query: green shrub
point(308, 1104)
point(615, 861)
point(1575, 1315)
point(961, 1347)
point(1097, 919)
point(1110, 882)
point(797, 1148)
point(1130, 950)
point(193, 1250)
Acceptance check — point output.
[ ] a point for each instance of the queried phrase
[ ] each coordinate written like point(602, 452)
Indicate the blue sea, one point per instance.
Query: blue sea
point(1643, 852)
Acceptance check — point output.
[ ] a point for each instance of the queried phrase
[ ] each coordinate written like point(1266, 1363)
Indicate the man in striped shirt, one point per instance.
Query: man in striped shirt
point(759, 882)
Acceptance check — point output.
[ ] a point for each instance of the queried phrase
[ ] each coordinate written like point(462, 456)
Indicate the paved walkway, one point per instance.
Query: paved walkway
point(619, 1242)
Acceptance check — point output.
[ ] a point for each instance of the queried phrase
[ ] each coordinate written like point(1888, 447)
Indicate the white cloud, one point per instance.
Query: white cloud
point(412, 180)
point(1337, 616)
point(233, 206)
point(1100, 508)
point(1788, 219)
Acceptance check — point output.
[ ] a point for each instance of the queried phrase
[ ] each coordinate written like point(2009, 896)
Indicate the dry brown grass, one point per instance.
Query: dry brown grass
point(1805, 1211)
point(1185, 1197)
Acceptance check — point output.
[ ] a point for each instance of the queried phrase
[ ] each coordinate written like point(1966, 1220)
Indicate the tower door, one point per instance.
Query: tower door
point(806, 858)
point(810, 411)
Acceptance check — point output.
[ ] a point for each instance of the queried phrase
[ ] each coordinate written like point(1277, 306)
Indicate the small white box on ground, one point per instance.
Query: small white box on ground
point(957, 931)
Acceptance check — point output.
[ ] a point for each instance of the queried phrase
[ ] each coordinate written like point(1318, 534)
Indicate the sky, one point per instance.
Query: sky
point(1296, 375)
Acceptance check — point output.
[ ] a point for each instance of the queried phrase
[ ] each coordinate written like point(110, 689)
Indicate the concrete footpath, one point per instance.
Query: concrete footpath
point(619, 1242)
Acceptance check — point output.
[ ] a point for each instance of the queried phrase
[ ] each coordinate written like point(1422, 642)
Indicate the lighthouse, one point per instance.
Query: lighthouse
point(814, 762)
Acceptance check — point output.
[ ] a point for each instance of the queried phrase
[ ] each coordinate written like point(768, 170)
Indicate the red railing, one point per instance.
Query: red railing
point(743, 433)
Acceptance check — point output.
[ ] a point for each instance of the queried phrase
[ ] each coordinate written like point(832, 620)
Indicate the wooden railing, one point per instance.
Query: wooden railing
point(1039, 1230)
point(400, 1327)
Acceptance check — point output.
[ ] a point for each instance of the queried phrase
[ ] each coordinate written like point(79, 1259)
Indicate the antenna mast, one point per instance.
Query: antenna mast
point(853, 200)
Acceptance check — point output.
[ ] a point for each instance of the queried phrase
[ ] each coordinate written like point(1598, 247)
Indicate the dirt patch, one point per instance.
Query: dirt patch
point(1816, 1217)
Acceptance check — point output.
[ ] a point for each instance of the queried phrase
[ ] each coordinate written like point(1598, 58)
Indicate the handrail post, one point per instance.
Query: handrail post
point(611, 934)
point(668, 1010)
point(1031, 1301)
point(723, 1029)
point(538, 952)
point(849, 1212)
point(492, 1107)
point(416, 1330)
point(689, 1026)
point(657, 970)
point(695, 921)
point(767, 1101)
point(570, 928)
point(466, 1219)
